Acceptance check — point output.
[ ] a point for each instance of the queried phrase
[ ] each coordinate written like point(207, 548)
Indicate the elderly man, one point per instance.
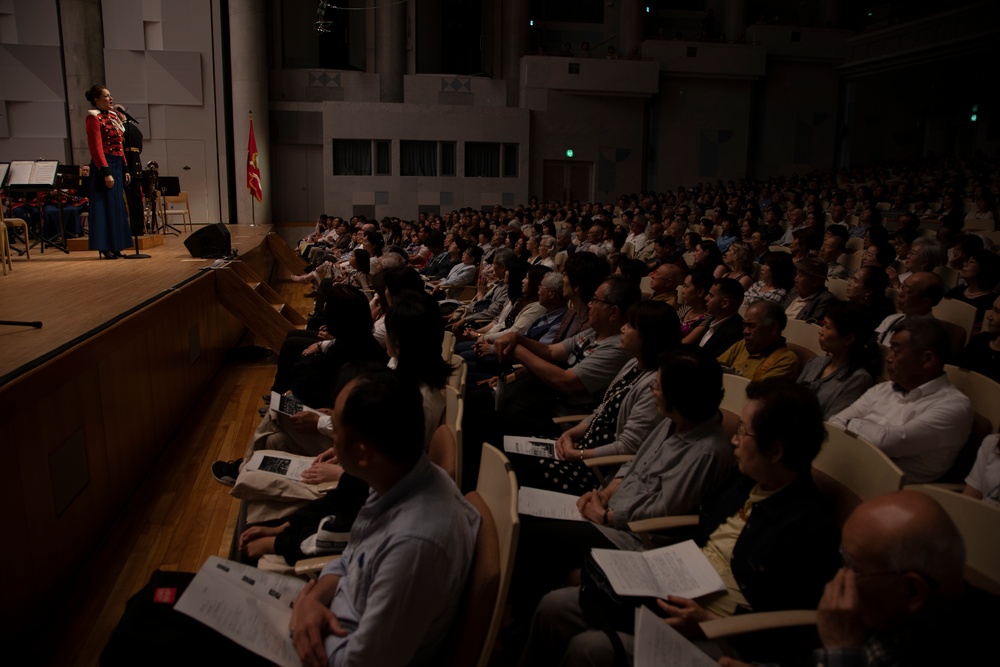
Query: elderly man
point(595, 241)
point(812, 297)
point(762, 353)
point(404, 569)
point(897, 600)
point(832, 248)
point(796, 221)
point(919, 419)
point(664, 282)
point(919, 293)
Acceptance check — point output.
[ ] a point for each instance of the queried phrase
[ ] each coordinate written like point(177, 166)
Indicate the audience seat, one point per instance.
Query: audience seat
point(984, 394)
point(837, 287)
point(804, 335)
point(979, 525)
point(958, 313)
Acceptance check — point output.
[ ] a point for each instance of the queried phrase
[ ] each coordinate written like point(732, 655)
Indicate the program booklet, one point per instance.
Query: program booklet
point(680, 569)
point(539, 447)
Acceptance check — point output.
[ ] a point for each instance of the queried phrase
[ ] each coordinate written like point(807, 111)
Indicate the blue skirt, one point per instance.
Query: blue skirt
point(109, 229)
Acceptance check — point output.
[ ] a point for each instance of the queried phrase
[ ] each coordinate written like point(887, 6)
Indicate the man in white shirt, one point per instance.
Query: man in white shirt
point(919, 419)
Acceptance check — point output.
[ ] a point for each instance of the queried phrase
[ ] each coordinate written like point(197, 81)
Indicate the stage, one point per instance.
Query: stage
point(89, 401)
point(76, 295)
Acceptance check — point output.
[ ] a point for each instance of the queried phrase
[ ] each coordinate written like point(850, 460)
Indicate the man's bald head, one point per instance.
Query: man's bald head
point(666, 278)
point(921, 291)
point(907, 554)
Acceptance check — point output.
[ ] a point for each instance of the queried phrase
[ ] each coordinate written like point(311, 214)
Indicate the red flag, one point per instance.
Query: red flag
point(253, 172)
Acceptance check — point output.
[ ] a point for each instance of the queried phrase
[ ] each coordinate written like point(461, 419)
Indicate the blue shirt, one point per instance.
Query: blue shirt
point(403, 572)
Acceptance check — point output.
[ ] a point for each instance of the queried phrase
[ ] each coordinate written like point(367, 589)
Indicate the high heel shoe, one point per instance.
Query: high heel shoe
point(107, 254)
point(118, 255)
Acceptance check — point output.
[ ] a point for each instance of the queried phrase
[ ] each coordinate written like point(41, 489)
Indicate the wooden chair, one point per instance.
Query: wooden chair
point(948, 275)
point(447, 346)
point(443, 451)
point(854, 244)
point(958, 313)
point(167, 210)
point(984, 394)
point(837, 287)
point(628, 249)
point(560, 259)
point(850, 262)
point(735, 396)
point(805, 335)
point(485, 597)
point(23, 224)
point(5, 259)
point(459, 374)
point(979, 525)
point(778, 248)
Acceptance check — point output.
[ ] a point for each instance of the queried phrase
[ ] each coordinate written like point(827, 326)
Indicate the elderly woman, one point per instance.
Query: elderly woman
point(766, 531)
point(109, 227)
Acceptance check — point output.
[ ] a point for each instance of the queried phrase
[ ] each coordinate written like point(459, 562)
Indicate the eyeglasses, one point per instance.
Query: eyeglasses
point(848, 561)
point(596, 300)
point(742, 432)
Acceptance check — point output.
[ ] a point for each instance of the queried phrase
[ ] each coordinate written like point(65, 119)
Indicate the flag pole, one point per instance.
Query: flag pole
point(253, 213)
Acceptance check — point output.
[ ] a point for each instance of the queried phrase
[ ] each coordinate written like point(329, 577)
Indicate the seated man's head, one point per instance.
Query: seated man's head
point(763, 323)
point(666, 279)
point(724, 298)
point(810, 276)
point(918, 350)
point(369, 446)
point(689, 385)
point(780, 432)
point(919, 293)
point(906, 558)
point(832, 248)
point(611, 302)
point(550, 292)
point(582, 274)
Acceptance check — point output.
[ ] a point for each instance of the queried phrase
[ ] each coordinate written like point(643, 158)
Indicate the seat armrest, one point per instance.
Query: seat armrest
point(615, 459)
point(765, 620)
point(311, 567)
point(663, 523)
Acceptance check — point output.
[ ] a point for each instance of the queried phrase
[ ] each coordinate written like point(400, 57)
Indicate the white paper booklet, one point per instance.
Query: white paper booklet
point(659, 645)
point(547, 504)
point(247, 605)
point(280, 463)
point(288, 405)
point(539, 447)
point(680, 569)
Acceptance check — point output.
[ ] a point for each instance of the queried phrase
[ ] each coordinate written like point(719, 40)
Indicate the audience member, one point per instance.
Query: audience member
point(724, 326)
point(812, 297)
point(762, 353)
point(919, 419)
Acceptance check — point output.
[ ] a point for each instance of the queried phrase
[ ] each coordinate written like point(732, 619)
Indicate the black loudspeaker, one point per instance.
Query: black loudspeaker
point(209, 241)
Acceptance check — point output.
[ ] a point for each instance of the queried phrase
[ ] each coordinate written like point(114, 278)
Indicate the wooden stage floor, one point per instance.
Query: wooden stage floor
point(76, 294)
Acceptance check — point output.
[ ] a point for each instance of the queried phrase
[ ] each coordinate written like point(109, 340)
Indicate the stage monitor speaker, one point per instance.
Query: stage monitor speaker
point(209, 241)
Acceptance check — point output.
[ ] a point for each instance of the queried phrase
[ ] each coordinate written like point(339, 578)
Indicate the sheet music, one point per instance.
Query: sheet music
point(680, 569)
point(659, 645)
point(249, 606)
point(539, 447)
point(547, 504)
point(26, 172)
point(20, 172)
point(287, 465)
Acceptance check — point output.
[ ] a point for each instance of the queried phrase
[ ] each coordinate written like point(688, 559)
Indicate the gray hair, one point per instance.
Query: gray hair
point(770, 313)
point(930, 251)
point(552, 280)
point(502, 255)
point(548, 241)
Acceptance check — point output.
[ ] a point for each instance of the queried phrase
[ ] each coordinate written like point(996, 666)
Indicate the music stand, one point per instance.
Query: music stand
point(31, 176)
point(169, 186)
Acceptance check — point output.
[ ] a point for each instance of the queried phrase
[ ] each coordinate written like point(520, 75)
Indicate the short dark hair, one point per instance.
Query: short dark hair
point(782, 269)
point(400, 279)
point(586, 271)
point(659, 327)
point(400, 439)
point(731, 288)
point(622, 293)
point(789, 414)
point(926, 333)
point(691, 382)
point(415, 326)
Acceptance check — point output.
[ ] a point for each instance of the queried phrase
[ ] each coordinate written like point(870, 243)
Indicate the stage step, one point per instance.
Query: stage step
point(254, 303)
point(287, 257)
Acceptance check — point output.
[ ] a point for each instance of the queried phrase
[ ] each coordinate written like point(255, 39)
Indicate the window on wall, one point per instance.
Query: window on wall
point(510, 160)
point(383, 158)
point(568, 11)
point(482, 159)
point(352, 157)
point(447, 158)
point(418, 158)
